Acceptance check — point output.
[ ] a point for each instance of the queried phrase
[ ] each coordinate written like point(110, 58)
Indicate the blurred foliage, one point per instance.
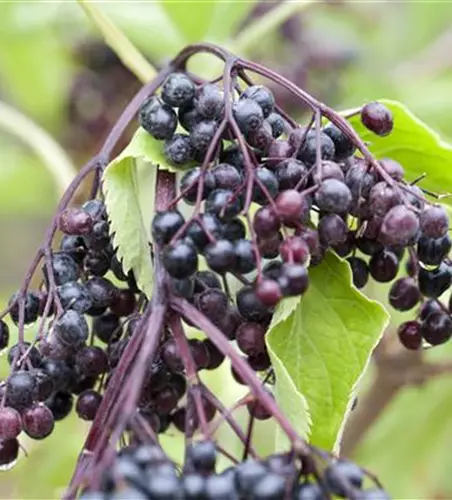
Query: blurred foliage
point(345, 52)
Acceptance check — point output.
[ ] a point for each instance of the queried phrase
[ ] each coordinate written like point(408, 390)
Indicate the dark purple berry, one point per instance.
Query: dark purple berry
point(384, 266)
point(262, 95)
point(199, 232)
point(404, 294)
point(250, 307)
point(293, 280)
point(248, 114)
point(31, 307)
point(276, 123)
point(20, 390)
point(343, 146)
point(377, 118)
point(201, 135)
point(434, 221)
point(38, 421)
point(224, 204)
point(75, 221)
point(433, 283)
point(190, 182)
point(436, 328)
point(9, 451)
point(333, 196)
point(71, 329)
point(431, 251)
point(332, 230)
point(382, 198)
point(226, 176)
point(220, 256)
point(360, 271)
point(409, 334)
point(178, 150)
point(157, 118)
point(209, 102)
point(178, 90)
point(250, 339)
point(87, 405)
point(10, 423)
point(165, 225)
point(180, 259)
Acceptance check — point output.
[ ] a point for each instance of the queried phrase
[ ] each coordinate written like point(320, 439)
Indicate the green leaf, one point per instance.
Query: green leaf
point(415, 145)
point(193, 27)
point(324, 345)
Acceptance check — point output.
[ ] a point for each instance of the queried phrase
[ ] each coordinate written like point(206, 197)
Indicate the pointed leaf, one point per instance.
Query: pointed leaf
point(325, 345)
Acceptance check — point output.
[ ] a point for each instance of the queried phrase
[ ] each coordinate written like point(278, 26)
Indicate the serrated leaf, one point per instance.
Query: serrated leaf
point(413, 144)
point(123, 181)
point(324, 345)
point(145, 146)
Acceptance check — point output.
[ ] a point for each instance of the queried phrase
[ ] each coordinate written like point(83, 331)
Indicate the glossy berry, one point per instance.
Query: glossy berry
point(102, 291)
point(404, 294)
point(293, 280)
point(107, 327)
point(332, 230)
point(157, 118)
point(383, 266)
point(432, 251)
point(261, 138)
point(328, 170)
point(307, 152)
point(308, 491)
point(165, 225)
point(91, 361)
point(74, 295)
point(74, 246)
point(269, 247)
point(268, 180)
point(75, 221)
point(382, 198)
point(71, 329)
point(266, 222)
point(38, 421)
point(433, 283)
point(10, 423)
point(377, 118)
point(270, 487)
point(193, 486)
point(245, 258)
point(290, 173)
point(124, 302)
point(262, 95)
point(220, 487)
point(294, 249)
point(341, 476)
point(434, 221)
point(213, 303)
point(410, 336)
point(360, 271)
point(343, 146)
point(31, 307)
point(209, 102)
point(277, 151)
point(436, 328)
point(202, 456)
point(289, 204)
point(9, 451)
point(234, 230)
point(250, 339)
point(180, 259)
point(248, 474)
point(178, 90)
point(19, 349)
point(20, 387)
point(226, 176)
point(276, 123)
point(179, 150)
point(199, 233)
point(191, 181)
point(360, 180)
point(87, 405)
point(205, 280)
point(248, 114)
point(99, 238)
point(268, 292)
point(220, 256)
point(392, 168)
point(60, 373)
point(249, 306)
point(201, 135)
point(96, 263)
point(65, 269)
point(333, 196)
point(4, 335)
point(96, 209)
point(224, 204)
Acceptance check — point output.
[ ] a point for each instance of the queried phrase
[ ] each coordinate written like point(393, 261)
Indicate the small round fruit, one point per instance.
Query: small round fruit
point(38, 421)
point(180, 259)
point(404, 294)
point(377, 118)
point(178, 90)
point(248, 114)
point(410, 336)
point(179, 150)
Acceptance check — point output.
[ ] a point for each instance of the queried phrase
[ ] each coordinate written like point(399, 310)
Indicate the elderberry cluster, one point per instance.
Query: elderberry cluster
point(145, 473)
point(311, 192)
point(82, 307)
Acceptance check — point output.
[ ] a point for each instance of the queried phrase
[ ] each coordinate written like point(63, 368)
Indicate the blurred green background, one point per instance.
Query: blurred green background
point(55, 69)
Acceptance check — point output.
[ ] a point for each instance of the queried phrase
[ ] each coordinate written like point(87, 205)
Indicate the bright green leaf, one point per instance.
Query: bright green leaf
point(227, 18)
point(325, 345)
point(415, 145)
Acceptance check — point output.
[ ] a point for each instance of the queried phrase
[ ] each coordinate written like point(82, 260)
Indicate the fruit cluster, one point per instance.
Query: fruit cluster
point(145, 472)
point(260, 199)
point(311, 192)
